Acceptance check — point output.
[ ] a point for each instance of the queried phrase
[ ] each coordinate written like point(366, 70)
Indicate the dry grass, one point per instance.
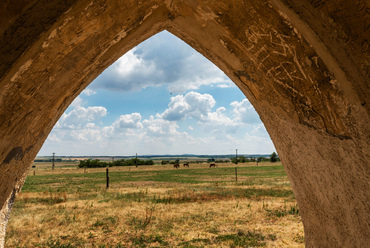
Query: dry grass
point(158, 214)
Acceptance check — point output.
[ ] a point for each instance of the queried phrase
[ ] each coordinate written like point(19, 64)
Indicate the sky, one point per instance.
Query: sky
point(162, 97)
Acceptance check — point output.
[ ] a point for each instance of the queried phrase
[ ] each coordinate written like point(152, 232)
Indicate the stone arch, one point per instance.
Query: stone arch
point(304, 65)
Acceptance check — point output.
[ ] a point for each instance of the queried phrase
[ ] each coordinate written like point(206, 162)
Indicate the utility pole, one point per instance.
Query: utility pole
point(136, 160)
point(113, 159)
point(236, 156)
point(53, 161)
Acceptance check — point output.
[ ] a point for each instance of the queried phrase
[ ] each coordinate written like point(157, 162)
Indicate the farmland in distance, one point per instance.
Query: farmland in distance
point(156, 206)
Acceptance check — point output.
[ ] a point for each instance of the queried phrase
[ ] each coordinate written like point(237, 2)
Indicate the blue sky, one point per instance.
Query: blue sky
point(162, 97)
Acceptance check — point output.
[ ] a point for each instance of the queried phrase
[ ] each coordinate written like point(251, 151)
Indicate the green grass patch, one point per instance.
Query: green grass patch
point(293, 210)
point(143, 240)
point(239, 239)
point(242, 239)
point(90, 182)
point(194, 242)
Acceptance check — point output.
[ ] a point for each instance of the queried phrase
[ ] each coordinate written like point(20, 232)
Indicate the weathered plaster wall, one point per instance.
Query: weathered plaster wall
point(304, 65)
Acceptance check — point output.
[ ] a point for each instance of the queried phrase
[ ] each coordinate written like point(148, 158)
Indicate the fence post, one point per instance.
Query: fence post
point(107, 176)
point(236, 174)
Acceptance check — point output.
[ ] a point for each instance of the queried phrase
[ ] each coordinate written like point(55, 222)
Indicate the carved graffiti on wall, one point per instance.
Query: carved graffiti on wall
point(276, 55)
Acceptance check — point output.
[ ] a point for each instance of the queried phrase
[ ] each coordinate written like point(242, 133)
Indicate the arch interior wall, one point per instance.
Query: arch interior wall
point(303, 64)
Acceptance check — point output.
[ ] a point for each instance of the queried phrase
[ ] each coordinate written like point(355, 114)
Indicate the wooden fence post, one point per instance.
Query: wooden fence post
point(107, 176)
point(236, 174)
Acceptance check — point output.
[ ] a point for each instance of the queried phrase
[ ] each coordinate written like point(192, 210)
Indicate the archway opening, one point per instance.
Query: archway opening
point(220, 115)
point(304, 65)
point(165, 98)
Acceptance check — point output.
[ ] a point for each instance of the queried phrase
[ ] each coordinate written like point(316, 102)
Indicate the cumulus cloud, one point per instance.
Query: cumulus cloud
point(86, 134)
point(218, 117)
point(88, 92)
point(244, 112)
point(79, 116)
point(198, 106)
point(83, 121)
point(90, 125)
point(158, 126)
point(128, 121)
point(218, 122)
point(77, 102)
point(260, 131)
point(192, 105)
point(225, 85)
point(82, 130)
point(162, 60)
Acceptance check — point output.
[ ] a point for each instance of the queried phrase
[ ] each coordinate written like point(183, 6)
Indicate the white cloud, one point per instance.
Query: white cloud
point(218, 118)
point(79, 116)
point(87, 134)
point(218, 123)
point(158, 126)
point(90, 125)
point(161, 60)
point(77, 102)
point(192, 105)
point(244, 112)
point(128, 121)
point(53, 137)
point(88, 92)
point(260, 131)
point(81, 131)
point(225, 85)
point(128, 63)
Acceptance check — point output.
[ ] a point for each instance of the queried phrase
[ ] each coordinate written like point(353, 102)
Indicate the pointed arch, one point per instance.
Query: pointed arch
point(308, 84)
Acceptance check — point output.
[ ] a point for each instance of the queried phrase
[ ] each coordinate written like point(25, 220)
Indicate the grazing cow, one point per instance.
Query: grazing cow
point(186, 165)
point(176, 166)
point(212, 165)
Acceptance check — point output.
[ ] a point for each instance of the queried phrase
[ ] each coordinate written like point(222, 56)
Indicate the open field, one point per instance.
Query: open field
point(157, 206)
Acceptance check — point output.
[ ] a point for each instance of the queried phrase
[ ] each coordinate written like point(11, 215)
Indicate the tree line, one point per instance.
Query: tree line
point(241, 159)
point(96, 163)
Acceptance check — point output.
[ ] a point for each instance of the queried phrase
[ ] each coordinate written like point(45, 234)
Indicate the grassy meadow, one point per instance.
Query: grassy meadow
point(156, 206)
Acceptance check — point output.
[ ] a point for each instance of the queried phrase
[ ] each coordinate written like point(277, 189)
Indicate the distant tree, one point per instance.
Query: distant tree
point(222, 161)
point(149, 162)
point(261, 159)
point(234, 161)
point(120, 162)
point(273, 157)
point(92, 163)
point(165, 162)
point(242, 159)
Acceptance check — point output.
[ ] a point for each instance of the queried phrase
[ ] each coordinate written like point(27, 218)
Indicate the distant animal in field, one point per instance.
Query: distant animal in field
point(176, 166)
point(212, 165)
point(186, 165)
